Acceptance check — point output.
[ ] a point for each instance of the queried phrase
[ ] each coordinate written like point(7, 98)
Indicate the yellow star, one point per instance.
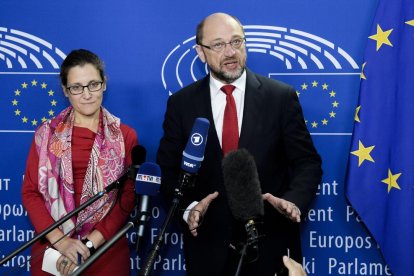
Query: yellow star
point(34, 122)
point(362, 76)
point(324, 122)
point(17, 112)
point(391, 181)
point(51, 92)
point(381, 37)
point(314, 124)
point(297, 93)
point(306, 122)
point(34, 83)
point(53, 103)
point(357, 113)
point(24, 85)
point(51, 112)
point(411, 22)
point(44, 119)
point(314, 84)
point(15, 102)
point(44, 85)
point(24, 119)
point(324, 86)
point(335, 104)
point(17, 92)
point(363, 153)
point(304, 86)
point(332, 93)
point(332, 114)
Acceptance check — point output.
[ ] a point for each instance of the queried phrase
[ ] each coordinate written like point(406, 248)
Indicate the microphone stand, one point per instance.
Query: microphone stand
point(110, 187)
point(102, 249)
point(252, 239)
point(143, 217)
point(243, 253)
point(186, 180)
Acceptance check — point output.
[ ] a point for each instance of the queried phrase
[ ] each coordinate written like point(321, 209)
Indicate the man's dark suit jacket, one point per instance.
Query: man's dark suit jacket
point(274, 132)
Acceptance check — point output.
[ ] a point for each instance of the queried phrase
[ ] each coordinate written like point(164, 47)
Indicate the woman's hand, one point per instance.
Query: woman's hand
point(65, 266)
point(70, 248)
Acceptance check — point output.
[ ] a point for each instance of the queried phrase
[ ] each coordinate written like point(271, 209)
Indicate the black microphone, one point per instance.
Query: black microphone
point(138, 156)
point(242, 185)
point(147, 184)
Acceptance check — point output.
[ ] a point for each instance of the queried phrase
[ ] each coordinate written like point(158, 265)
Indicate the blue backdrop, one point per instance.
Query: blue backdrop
point(147, 46)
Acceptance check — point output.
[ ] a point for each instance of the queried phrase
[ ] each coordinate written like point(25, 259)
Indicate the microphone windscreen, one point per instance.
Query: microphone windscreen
point(138, 155)
point(193, 153)
point(242, 185)
point(148, 179)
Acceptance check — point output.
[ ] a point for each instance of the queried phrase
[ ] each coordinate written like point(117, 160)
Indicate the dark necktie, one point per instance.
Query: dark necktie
point(230, 135)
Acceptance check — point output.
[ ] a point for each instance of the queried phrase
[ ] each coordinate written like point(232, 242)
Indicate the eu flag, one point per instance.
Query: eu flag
point(380, 180)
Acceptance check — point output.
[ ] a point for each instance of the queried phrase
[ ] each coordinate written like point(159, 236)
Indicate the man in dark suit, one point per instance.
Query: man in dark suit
point(270, 126)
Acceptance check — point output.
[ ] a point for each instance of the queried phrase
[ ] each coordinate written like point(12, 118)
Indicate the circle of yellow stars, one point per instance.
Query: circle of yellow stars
point(332, 94)
point(27, 88)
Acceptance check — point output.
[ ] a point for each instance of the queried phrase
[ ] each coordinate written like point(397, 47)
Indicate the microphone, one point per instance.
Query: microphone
point(193, 153)
point(242, 185)
point(147, 184)
point(138, 156)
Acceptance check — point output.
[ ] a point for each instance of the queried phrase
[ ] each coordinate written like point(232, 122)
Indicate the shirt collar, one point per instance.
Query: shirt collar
point(240, 83)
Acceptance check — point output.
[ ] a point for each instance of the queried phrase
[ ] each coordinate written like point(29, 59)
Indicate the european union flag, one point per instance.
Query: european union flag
point(380, 182)
point(27, 100)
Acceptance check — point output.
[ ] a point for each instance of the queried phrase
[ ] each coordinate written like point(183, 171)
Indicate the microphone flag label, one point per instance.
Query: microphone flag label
point(148, 178)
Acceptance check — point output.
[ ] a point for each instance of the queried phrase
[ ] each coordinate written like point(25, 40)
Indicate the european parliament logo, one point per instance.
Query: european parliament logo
point(29, 85)
point(322, 72)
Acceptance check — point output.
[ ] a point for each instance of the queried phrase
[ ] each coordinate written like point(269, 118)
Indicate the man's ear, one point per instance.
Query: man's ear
point(200, 53)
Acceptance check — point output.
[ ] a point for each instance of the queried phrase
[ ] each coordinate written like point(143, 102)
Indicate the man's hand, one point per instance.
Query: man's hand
point(287, 208)
point(198, 211)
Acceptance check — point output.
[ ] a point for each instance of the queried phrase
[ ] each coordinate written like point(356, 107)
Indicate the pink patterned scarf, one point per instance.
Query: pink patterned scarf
point(106, 164)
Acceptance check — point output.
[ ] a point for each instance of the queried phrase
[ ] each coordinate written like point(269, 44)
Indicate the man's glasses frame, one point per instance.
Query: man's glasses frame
point(219, 47)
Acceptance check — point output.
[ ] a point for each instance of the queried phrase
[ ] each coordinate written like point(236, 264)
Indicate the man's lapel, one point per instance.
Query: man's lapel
point(252, 107)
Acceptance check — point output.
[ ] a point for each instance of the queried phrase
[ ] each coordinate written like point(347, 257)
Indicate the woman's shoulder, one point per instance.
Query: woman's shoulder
point(128, 132)
point(126, 128)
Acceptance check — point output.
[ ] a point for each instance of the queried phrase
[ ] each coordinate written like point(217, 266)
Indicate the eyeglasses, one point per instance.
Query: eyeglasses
point(78, 89)
point(220, 46)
